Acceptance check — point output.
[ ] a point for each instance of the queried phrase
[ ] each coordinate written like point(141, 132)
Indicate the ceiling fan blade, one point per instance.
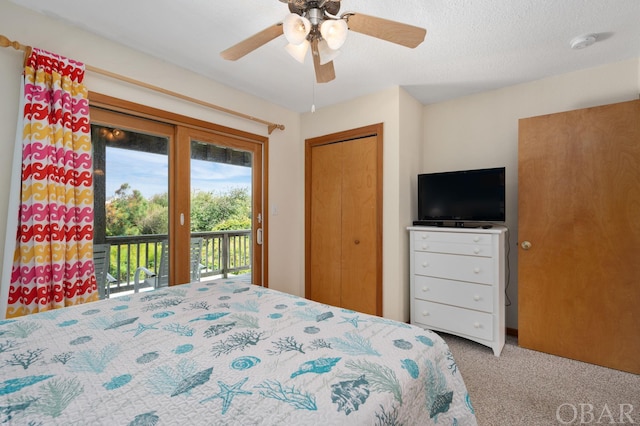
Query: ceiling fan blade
point(237, 51)
point(395, 32)
point(324, 72)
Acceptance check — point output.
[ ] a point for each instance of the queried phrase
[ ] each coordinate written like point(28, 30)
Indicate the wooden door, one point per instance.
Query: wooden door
point(325, 225)
point(343, 220)
point(579, 204)
point(359, 225)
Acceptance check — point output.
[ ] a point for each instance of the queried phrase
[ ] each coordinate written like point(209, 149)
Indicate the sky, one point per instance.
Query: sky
point(148, 173)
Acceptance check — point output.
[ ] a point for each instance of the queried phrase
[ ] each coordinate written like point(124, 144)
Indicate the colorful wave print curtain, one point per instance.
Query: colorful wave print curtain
point(53, 261)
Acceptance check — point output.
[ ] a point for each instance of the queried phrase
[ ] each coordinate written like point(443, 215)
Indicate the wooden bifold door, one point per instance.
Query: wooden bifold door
point(343, 220)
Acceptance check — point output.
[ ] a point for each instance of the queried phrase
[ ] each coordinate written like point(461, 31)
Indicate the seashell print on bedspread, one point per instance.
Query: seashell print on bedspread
point(224, 352)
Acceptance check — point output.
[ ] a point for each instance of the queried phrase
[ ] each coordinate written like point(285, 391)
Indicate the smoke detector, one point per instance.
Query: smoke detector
point(583, 41)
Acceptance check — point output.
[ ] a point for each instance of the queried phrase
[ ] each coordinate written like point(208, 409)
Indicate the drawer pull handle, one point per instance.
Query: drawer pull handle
point(425, 236)
point(425, 313)
point(476, 298)
point(425, 288)
point(476, 270)
point(476, 250)
point(476, 325)
point(425, 246)
point(425, 265)
point(476, 239)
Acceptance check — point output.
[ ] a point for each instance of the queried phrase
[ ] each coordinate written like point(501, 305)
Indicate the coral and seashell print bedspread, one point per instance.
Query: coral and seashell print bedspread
point(224, 353)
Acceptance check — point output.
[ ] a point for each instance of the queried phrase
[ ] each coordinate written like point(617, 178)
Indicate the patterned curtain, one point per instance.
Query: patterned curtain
point(53, 266)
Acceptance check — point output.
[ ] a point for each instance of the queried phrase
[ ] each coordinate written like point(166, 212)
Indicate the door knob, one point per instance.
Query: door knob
point(526, 245)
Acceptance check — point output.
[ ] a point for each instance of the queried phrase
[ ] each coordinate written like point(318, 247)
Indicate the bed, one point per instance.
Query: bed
point(224, 352)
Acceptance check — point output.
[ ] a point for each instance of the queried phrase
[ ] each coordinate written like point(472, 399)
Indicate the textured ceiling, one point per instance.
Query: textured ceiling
point(471, 45)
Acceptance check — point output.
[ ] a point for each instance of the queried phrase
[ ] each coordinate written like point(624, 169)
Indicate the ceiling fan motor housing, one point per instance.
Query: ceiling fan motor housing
point(300, 7)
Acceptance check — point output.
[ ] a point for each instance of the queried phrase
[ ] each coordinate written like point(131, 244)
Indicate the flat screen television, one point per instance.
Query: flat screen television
point(458, 197)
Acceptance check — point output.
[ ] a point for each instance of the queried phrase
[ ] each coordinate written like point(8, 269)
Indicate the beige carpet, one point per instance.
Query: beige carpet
point(525, 387)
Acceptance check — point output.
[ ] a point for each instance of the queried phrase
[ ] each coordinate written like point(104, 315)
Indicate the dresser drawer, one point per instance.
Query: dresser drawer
point(453, 319)
point(452, 237)
point(455, 248)
point(455, 293)
point(467, 244)
point(461, 268)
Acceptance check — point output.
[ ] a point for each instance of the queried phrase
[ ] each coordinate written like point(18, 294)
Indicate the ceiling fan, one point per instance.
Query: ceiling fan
point(315, 24)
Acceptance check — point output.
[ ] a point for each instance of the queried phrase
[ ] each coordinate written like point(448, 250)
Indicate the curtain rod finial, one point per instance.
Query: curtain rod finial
point(5, 42)
point(273, 127)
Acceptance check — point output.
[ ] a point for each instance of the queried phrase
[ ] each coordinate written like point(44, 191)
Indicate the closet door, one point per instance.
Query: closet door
point(579, 204)
point(343, 220)
point(324, 227)
point(359, 220)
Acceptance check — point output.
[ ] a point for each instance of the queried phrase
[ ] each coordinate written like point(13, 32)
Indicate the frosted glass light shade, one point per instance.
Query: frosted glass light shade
point(334, 31)
point(296, 28)
point(298, 51)
point(326, 53)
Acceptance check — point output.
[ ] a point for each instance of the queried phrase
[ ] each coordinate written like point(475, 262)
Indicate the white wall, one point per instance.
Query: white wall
point(482, 131)
point(401, 116)
point(409, 166)
point(285, 172)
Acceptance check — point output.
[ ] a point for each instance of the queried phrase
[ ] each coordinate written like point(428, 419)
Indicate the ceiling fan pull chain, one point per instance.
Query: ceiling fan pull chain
point(313, 94)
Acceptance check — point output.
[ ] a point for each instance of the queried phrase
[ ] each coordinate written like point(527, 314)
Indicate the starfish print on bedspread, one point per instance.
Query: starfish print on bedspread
point(353, 320)
point(142, 327)
point(228, 392)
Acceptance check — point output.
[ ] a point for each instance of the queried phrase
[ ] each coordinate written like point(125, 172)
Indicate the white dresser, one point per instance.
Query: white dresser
point(458, 282)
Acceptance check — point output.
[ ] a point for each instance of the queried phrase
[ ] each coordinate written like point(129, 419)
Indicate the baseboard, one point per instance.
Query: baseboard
point(512, 332)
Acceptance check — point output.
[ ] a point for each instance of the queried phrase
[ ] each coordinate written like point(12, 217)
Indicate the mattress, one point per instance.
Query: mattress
point(224, 352)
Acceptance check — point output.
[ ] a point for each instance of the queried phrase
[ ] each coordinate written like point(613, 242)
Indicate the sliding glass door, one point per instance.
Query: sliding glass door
point(163, 185)
point(131, 185)
point(225, 180)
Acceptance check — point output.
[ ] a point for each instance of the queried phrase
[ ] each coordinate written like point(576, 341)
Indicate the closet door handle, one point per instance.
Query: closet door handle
point(356, 242)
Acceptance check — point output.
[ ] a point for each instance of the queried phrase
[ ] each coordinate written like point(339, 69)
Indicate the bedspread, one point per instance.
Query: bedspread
point(224, 353)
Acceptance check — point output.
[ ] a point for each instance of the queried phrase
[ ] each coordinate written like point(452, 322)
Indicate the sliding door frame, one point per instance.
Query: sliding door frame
point(184, 138)
point(179, 168)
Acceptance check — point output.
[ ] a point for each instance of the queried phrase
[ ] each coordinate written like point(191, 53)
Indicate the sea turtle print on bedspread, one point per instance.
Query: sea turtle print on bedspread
point(224, 353)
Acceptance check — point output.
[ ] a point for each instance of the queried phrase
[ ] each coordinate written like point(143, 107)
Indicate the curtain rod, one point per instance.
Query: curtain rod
point(5, 42)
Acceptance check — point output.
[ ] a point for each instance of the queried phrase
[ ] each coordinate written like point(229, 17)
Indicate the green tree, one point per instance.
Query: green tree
point(156, 221)
point(129, 213)
point(209, 211)
point(125, 211)
point(204, 213)
point(233, 224)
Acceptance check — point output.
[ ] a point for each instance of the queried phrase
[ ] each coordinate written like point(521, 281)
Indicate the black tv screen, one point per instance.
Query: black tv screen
point(462, 196)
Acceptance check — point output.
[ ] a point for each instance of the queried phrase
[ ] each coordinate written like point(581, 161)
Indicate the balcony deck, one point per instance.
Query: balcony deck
point(223, 253)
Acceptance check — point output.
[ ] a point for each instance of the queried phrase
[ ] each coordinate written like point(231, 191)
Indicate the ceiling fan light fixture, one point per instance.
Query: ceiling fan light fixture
point(298, 51)
point(334, 31)
point(296, 28)
point(326, 53)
